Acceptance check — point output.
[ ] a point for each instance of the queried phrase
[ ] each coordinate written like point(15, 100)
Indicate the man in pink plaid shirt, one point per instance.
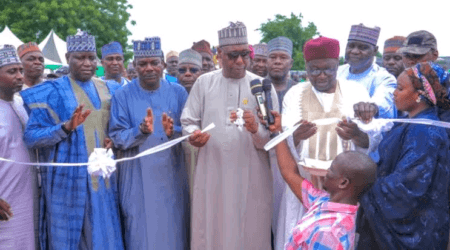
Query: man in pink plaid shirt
point(329, 222)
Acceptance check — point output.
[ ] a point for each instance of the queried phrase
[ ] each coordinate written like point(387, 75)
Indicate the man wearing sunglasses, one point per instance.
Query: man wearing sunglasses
point(189, 69)
point(232, 199)
point(324, 96)
point(153, 190)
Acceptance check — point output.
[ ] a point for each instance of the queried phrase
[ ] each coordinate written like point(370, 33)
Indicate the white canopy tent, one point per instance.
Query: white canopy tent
point(7, 37)
point(54, 49)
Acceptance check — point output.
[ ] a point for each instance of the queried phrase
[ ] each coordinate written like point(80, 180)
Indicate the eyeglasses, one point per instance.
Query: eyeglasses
point(317, 72)
point(184, 70)
point(235, 54)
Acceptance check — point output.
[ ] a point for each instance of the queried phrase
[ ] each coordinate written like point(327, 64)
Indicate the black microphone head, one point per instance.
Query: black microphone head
point(267, 85)
point(257, 88)
point(255, 82)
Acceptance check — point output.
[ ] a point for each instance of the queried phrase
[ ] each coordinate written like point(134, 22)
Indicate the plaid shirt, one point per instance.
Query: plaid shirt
point(326, 225)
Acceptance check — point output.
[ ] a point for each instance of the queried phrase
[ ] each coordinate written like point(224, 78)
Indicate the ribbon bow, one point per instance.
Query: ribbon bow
point(101, 163)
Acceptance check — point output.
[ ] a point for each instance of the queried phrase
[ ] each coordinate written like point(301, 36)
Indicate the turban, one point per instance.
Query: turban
point(321, 48)
point(428, 80)
point(393, 44)
point(202, 46)
point(26, 48)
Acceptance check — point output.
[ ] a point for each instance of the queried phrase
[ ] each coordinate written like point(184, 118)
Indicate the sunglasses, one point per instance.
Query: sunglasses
point(235, 54)
point(317, 72)
point(184, 70)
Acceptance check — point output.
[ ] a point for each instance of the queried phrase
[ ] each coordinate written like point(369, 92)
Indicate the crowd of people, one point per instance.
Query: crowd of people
point(387, 187)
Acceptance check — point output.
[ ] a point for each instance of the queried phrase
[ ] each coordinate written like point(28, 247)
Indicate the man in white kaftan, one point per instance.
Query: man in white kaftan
point(232, 200)
point(323, 97)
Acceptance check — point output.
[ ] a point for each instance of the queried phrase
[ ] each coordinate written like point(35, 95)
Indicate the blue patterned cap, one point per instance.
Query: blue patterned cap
point(81, 42)
point(111, 48)
point(280, 43)
point(8, 55)
point(150, 47)
point(190, 56)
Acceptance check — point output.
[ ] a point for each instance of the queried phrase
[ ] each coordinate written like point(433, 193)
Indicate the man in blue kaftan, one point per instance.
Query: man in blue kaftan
point(78, 211)
point(112, 62)
point(153, 190)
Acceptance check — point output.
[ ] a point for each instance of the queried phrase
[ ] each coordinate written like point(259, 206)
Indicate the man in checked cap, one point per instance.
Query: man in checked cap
point(232, 200)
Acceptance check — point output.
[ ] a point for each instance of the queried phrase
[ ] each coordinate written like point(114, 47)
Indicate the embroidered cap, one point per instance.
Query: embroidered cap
point(202, 46)
point(280, 43)
point(172, 53)
point(364, 34)
point(234, 34)
point(150, 47)
point(8, 55)
point(190, 56)
point(321, 48)
point(391, 45)
point(26, 48)
point(81, 42)
point(261, 49)
point(111, 49)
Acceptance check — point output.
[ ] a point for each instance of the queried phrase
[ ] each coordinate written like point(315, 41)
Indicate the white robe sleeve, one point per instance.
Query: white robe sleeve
point(191, 117)
point(290, 116)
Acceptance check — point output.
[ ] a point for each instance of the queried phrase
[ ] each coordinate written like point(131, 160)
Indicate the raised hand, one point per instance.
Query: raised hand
point(5, 211)
point(147, 124)
point(304, 132)
point(199, 139)
point(167, 122)
point(78, 117)
point(365, 111)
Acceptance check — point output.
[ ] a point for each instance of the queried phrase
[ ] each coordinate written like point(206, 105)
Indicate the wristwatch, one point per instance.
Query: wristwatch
point(63, 126)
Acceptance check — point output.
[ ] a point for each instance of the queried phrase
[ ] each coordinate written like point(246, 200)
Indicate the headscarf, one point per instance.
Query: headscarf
point(428, 80)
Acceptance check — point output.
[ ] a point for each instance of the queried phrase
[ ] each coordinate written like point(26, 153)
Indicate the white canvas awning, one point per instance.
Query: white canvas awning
point(54, 49)
point(7, 37)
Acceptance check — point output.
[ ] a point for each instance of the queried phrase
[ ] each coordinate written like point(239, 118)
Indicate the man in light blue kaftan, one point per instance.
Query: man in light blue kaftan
point(361, 68)
point(153, 190)
point(112, 62)
point(78, 211)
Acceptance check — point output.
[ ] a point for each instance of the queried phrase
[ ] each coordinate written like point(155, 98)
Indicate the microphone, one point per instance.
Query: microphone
point(267, 87)
point(257, 91)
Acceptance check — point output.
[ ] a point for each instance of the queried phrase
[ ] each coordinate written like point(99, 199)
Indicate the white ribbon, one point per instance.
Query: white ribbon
point(101, 162)
point(378, 124)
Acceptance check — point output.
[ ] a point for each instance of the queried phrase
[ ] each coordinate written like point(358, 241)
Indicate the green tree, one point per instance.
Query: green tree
point(293, 29)
point(32, 20)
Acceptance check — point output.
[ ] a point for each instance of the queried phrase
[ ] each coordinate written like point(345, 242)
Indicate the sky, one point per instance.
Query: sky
point(179, 22)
